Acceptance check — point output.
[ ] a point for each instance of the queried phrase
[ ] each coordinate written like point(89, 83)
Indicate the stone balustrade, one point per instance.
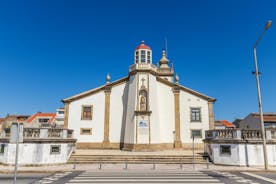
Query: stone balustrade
point(230, 134)
point(35, 133)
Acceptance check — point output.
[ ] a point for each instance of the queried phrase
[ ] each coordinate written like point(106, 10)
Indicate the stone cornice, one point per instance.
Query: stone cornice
point(177, 86)
point(143, 112)
point(95, 90)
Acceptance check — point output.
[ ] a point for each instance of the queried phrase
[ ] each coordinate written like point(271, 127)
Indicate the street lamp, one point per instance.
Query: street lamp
point(267, 26)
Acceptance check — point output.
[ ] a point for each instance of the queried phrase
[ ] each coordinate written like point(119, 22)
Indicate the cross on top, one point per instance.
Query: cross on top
point(143, 80)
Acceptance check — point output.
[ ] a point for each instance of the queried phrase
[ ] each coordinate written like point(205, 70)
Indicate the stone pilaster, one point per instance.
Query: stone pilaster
point(106, 141)
point(211, 115)
point(177, 140)
point(66, 114)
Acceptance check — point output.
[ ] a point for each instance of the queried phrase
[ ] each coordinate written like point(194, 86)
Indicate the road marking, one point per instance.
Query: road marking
point(143, 183)
point(259, 177)
point(236, 178)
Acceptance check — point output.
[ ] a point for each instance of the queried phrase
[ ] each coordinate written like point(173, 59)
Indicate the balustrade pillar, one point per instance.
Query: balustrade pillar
point(64, 134)
point(14, 132)
point(43, 133)
point(268, 134)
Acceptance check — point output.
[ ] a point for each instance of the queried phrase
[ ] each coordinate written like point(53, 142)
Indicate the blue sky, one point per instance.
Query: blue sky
point(50, 50)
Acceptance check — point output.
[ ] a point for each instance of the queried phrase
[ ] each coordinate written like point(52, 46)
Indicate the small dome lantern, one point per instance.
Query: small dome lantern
point(143, 54)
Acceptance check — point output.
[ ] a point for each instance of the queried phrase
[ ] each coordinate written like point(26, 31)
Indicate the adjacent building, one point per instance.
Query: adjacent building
point(13, 118)
point(253, 121)
point(59, 119)
point(146, 110)
point(41, 119)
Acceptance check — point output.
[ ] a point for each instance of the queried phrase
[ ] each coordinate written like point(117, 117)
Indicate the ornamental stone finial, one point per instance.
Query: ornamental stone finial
point(176, 79)
point(108, 78)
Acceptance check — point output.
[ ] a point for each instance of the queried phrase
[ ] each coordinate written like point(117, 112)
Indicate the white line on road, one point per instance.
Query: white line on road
point(259, 177)
point(136, 180)
point(143, 183)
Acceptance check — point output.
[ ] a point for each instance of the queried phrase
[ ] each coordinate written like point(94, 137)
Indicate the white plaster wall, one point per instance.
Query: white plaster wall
point(97, 122)
point(187, 101)
point(118, 108)
point(243, 154)
point(131, 107)
point(31, 153)
point(154, 107)
point(232, 159)
point(166, 112)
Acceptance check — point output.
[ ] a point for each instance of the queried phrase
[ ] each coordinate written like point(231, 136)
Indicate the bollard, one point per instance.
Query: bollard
point(193, 152)
point(181, 164)
point(100, 167)
point(126, 164)
point(207, 162)
point(153, 165)
point(74, 167)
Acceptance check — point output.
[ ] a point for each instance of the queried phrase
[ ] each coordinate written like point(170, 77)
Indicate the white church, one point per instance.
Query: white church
point(146, 110)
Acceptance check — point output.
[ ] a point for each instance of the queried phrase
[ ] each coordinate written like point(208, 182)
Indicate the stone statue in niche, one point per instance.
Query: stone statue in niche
point(142, 103)
point(143, 100)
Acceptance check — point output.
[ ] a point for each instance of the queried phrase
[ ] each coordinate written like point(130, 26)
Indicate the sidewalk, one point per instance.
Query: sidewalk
point(130, 167)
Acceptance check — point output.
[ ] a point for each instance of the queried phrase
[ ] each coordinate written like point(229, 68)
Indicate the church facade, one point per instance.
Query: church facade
point(147, 110)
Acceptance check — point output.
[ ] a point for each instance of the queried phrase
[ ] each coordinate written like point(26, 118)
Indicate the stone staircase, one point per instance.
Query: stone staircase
point(135, 159)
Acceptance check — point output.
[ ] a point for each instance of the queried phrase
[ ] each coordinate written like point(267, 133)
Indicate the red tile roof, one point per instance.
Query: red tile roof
point(226, 123)
point(52, 116)
point(143, 46)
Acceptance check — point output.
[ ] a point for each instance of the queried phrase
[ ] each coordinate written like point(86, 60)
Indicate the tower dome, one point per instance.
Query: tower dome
point(143, 54)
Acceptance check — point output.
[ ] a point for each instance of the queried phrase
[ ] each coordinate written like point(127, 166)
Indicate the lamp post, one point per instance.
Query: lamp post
point(267, 26)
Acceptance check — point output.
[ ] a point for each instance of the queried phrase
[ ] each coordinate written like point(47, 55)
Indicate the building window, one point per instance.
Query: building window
point(86, 131)
point(2, 148)
point(43, 120)
point(87, 112)
point(196, 133)
point(195, 115)
point(225, 149)
point(143, 56)
point(148, 57)
point(55, 149)
point(136, 57)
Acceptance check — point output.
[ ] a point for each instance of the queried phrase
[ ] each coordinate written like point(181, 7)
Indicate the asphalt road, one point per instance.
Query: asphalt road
point(185, 177)
point(25, 178)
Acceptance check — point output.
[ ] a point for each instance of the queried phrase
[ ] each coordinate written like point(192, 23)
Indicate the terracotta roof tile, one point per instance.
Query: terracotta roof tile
point(39, 114)
point(226, 123)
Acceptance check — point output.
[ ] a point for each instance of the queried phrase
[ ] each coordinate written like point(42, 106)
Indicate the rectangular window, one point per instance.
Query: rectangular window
point(148, 57)
point(87, 112)
point(60, 112)
point(55, 149)
point(195, 115)
point(225, 149)
point(86, 131)
point(196, 133)
point(2, 148)
point(136, 57)
point(43, 120)
point(143, 56)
